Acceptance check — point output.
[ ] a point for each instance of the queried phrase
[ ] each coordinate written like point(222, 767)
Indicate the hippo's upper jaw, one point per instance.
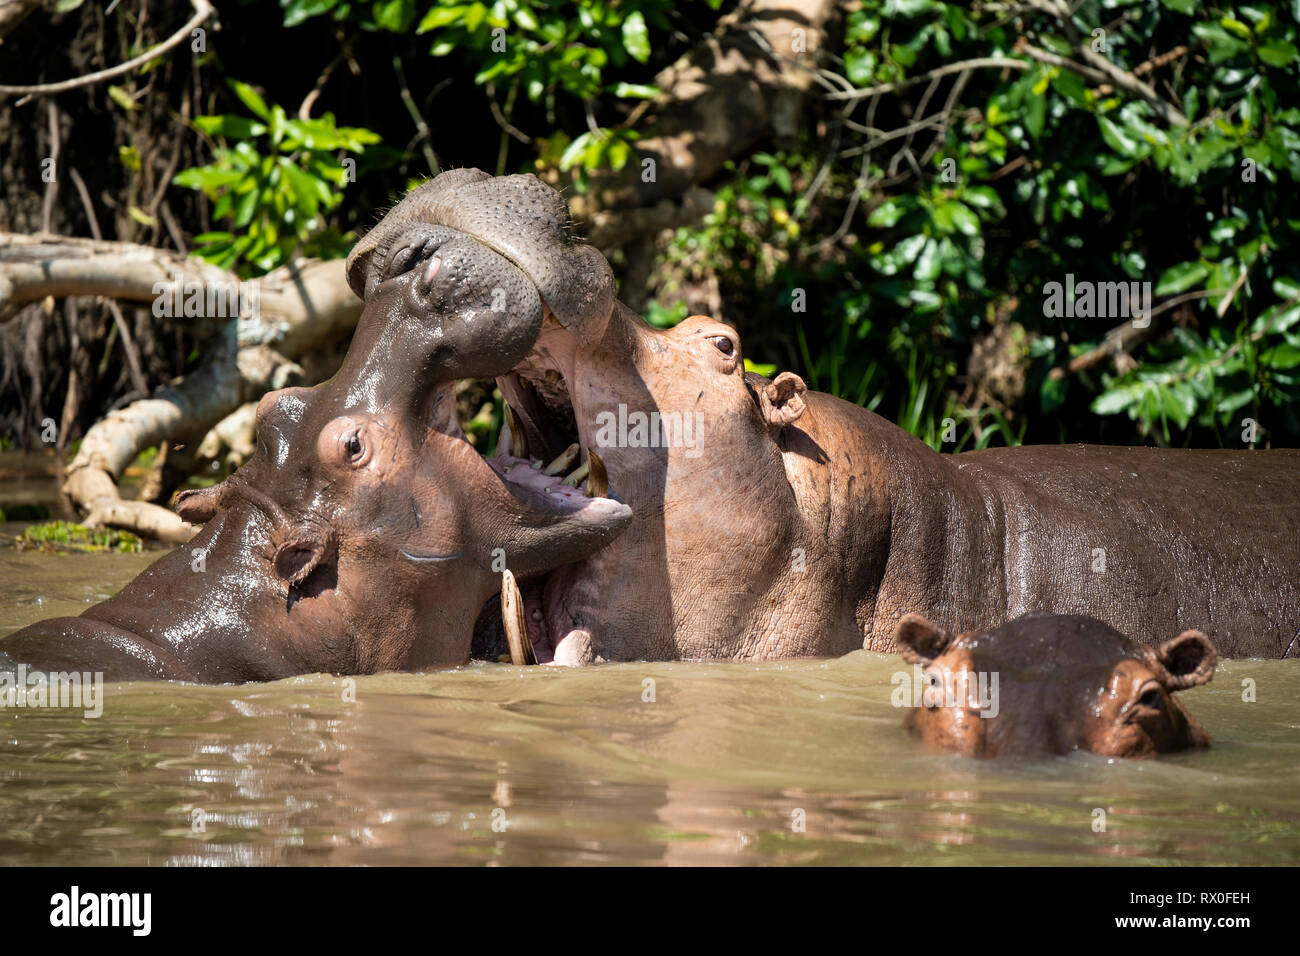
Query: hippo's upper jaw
point(1058, 683)
point(362, 487)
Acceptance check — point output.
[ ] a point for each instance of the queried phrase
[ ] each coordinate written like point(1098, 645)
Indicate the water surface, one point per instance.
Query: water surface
point(794, 762)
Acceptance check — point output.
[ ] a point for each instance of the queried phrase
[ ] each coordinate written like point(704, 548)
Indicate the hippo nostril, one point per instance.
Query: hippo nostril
point(408, 254)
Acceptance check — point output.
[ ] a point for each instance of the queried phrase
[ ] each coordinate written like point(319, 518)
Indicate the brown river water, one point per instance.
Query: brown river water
point(793, 762)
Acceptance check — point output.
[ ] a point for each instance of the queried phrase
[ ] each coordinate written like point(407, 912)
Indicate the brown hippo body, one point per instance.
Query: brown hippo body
point(805, 525)
point(725, 515)
point(789, 523)
point(1051, 684)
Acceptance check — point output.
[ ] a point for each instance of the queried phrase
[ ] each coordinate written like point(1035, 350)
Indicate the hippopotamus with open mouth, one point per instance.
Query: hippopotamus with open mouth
point(771, 521)
point(1051, 684)
point(724, 515)
point(362, 533)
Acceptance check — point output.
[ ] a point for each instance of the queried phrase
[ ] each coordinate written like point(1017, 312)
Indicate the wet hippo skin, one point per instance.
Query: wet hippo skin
point(360, 536)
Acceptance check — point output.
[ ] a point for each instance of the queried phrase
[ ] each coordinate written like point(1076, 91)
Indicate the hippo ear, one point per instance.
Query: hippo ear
point(920, 641)
point(1187, 660)
point(782, 400)
point(197, 505)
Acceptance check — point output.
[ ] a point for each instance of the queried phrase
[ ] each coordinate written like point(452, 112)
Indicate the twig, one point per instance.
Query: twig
point(1124, 337)
point(202, 11)
point(1226, 304)
point(128, 341)
point(308, 101)
point(1101, 71)
point(51, 187)
point(421, 126)
point(501, 120)
point(979, 63)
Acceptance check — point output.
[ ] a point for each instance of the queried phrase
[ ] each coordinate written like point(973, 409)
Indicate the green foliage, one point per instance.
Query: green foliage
point(273, 179)
point(66, 536)
point(1040, 173)
point(546, 50)
point(876, 266)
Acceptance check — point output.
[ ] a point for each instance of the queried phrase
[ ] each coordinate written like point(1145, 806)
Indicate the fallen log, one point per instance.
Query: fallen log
point(262, 327)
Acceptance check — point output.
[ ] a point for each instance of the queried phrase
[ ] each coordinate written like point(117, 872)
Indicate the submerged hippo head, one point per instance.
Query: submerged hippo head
point(366, 533)
point(1053, 684)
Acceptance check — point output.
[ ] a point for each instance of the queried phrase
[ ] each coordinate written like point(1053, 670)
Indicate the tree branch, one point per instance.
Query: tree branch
point(202, 11)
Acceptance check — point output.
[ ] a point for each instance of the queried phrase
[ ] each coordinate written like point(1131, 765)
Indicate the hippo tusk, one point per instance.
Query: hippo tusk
point(512, 616)
point(598, 483)
point(518, 441)
point(562, 461)
point(579, 473)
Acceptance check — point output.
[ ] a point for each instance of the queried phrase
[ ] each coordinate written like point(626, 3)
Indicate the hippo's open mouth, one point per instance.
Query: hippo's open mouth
point(544, 459)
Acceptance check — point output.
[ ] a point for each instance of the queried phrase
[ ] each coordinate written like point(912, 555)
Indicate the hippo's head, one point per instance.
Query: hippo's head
point(1053, 684)
point(651, 411)
point(366, 533)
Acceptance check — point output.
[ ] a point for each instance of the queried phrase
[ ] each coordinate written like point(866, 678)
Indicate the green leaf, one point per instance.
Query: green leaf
point(122, 98)
point(887, 214)
point(956, 217)
point(229, 126)
point(296, 11)
point(636, 39)
point(1181, 277)
point(1280, 356)
point(575, 151)
point(250, 98)
point(1114, 401)
point(394, 15)
point(1123, 140)
point(1277, 52)
point(440, 16)
point(641, 91)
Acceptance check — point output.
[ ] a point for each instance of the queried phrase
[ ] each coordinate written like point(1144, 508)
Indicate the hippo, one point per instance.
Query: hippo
point(1052, 684)
point(711, 512)
point(772, 521)
point(361, 531)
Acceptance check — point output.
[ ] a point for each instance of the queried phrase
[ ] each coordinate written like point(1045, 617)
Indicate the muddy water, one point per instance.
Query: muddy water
point(798, 762)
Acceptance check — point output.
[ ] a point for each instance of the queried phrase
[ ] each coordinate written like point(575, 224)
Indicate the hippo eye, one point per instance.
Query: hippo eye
point(1151, 698)
point(352, 446)
point(724, 344)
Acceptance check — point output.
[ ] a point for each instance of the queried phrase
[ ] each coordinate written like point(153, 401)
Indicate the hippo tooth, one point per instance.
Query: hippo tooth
point(518, 441)
point(579, 473)
point(562, 461)
point(598, 483)
point(512, 617)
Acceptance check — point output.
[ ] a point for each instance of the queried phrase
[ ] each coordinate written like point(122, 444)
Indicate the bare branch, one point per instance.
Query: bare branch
point(979, 63)
point(202, 11)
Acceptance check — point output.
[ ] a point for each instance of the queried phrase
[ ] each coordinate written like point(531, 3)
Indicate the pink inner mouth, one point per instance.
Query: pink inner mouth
point(526, 474)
